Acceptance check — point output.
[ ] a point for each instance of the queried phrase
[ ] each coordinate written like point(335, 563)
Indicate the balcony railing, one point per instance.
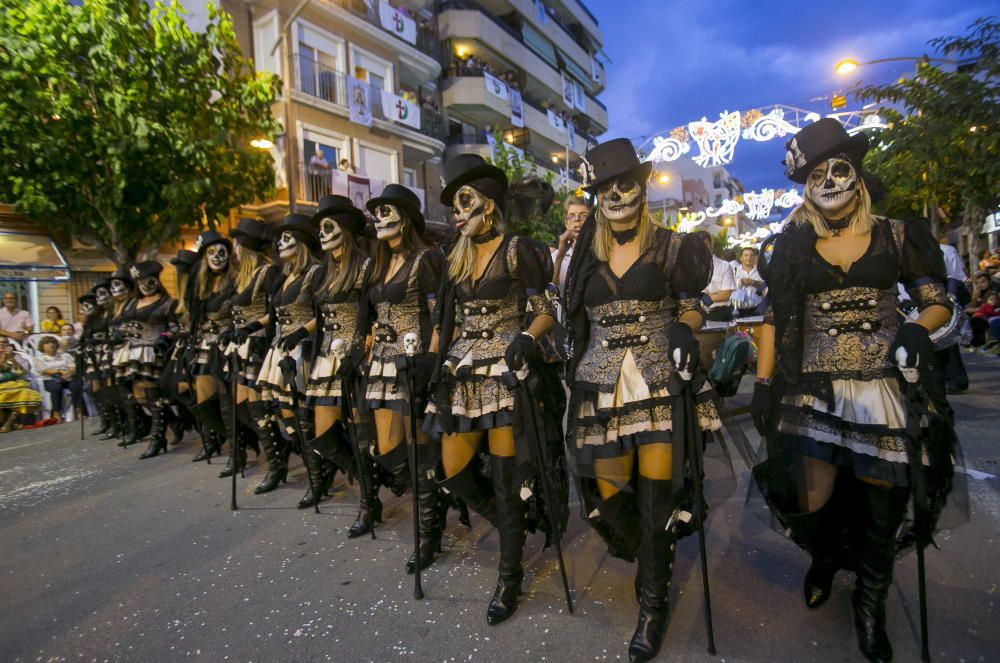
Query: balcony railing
point(318, 80)
point(427, 38)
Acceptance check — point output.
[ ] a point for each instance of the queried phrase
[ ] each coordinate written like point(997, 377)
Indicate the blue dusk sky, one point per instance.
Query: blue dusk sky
point(675, 62)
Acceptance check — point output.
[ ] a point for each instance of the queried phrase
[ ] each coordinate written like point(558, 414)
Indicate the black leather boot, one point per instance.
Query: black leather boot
point(431, 526)
point(240, 448)
point(472, 488)
point(245, 422)
point(369, 505)
point(114, 413)
point(158, 432)
point(510, 510)
point(617, 522)
point(130, 429)
point(883, 512)
point(103, 411)
point(274, 450)
point(656, 561)
point(321, 470)
point(819, 533)
point(397, 468)
point(212, 428)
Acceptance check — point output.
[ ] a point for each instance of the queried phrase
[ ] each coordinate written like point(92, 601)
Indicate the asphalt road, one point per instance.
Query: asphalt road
point(105, 557)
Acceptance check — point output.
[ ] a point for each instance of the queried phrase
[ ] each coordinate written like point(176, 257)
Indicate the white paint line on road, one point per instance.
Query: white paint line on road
point(29, 444)
point(42, 485)
point(979, 476)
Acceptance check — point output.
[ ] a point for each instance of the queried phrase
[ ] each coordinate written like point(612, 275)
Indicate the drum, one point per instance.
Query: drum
point(956, 330)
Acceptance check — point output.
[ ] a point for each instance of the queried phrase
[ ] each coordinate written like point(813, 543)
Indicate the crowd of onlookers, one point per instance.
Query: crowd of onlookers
point(984, 305)
point(38, 371)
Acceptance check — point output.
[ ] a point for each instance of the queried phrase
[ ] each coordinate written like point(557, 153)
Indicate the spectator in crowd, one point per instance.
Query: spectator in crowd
point(68, 338)
point(57, 371)
point(949, 361)
point(576, 214)
point(990, 263)
point(53, 321)
point(14, 322)
point(747, 297)
point(722, 285)
point(17, 399)
point(981, 317)
point(319, 173)
point(345, 166)
point(981, 287)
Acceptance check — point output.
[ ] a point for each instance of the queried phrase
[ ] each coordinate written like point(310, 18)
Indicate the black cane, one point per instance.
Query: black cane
point(347, 387)
point(694, 451)
point(288, 372)
point(549, 493)
point(235, 456)
point(410, 343)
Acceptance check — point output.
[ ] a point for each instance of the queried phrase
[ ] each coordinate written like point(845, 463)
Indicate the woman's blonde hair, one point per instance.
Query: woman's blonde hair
point(300, 262)
point(601, 246)
point(249, 261)
point(206, 280)
point(462, 258)
point(860, 218)
point(342, 273)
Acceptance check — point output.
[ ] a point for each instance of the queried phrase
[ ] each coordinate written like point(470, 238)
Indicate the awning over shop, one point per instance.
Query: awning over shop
point(31, 257)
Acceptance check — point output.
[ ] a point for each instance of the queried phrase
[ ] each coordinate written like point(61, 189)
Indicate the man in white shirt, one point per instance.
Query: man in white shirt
point(956, 379)
point(747, 297)
point(721, 287)
point(576, 214)
point(14, 323)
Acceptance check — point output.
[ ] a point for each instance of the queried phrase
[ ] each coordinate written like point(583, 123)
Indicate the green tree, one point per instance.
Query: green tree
point(938, 158)
point(544, 227)
point(122, 125)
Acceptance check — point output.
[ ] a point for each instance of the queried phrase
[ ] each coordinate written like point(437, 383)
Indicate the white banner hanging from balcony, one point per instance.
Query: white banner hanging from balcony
point(359, 105)
point(402, 26)
point(495, 86)
point(569, 96)
point(400, 110)
point(556, 120)
point(516, 108)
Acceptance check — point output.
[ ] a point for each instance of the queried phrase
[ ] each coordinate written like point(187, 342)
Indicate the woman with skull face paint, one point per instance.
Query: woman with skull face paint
point(342, 322)
point(97, 360)
point(150, 322)
point(291, 313)
point(492, 309)
point(175, 380)
point(632, 300)
point(134, 424)
point(211, 318)
point(256, 279)
point(838, 466)
point(403, 291)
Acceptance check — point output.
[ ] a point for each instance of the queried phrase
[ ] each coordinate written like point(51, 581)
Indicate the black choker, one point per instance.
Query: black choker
point(625, 236)
point(838, 227)
point(487, 236)
point(396, 250)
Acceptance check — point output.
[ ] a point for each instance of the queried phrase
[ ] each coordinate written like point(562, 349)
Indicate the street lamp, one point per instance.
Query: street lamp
point(262, 143)
point(848, 65)
point(663, 178)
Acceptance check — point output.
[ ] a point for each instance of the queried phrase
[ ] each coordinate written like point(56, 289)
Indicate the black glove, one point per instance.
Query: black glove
point(350, 364)
point(226, 337)
point(916, 341)
point(423, 369)
point(162, 345)
point(682, 338)
point(243, 333)
point(520, 351)
point(290, 341)
point(760, 407)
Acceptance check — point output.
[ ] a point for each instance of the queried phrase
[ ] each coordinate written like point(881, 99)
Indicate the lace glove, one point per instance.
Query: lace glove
point(682, 340)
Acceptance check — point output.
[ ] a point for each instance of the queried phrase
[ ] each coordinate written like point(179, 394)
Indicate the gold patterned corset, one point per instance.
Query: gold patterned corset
point(340, 320)
point(142, 333)
point(848, 331)
point(244, 315)
point(487, 327)
point(392, 323)
point(627, 324)
point(215, 322)
point(292, 316)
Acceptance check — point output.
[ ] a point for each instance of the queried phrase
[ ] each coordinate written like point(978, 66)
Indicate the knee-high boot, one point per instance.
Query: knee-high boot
point(158, 432)
point(110, 410)
point(244, 437)
point(397, 467)
point(369, 505)
point(883, 512)
point(274, 449)
point(431, 520)
point(130, 409)
point(100, 400)
point(819, 533)
point(212, 428)
point(654, 500)
point(472, 488)
point(510, 510)
point(227, 414)
point(318, 456)
point(618, 525)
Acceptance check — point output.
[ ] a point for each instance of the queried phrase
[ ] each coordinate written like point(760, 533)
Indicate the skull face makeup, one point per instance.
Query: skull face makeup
point(218, 257)
point(149, 286)
point(87, 308)
point(620, 200)
point(388, 222)
point(331, 235)
point(470, 212)
point(286, 245)
point(832, 187)
point(119, 288)
point(103, 296)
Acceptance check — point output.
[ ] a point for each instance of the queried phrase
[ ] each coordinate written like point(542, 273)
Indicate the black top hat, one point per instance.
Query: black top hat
point(254, 234)
point(341, 210)
point(104, 282)
point(123, 274)
point(466, 168)
point(400, 196)
point(613, 160)
point(87, 298)
point(184, 261)
point(819, 141)
point(303, 228)
point(208, 238)
point(145, 269)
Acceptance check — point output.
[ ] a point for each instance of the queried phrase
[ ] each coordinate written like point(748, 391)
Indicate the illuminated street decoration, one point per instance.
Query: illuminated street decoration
point(772, 125)
point(668, 149)
point(869, 122)
point(727, 207)
point(759, 204)
point(688, 222)
point(789, 198)
point(716, 140)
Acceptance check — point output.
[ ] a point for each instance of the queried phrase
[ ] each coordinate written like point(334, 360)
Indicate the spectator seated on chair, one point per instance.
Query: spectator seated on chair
point(18, 401)
point(56, 370)
point(53, 321)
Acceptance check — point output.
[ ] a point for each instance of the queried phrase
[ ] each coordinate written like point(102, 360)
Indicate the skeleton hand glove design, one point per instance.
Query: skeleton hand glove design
point(682, 339)
point(916, 343)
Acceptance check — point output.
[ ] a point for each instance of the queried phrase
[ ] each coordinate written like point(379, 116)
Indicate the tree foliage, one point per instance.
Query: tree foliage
point(122, 125)
point(940, 151)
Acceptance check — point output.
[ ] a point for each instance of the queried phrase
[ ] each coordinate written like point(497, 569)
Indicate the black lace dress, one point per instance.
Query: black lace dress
point(143, 326)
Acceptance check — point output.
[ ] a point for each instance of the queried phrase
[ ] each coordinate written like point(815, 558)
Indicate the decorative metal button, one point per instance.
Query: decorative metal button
point(486, 334)
point(336, 326)
point(377, 324)
point(642, 318)
point(833, 331)
point(484, 310)
point(867, 326)
point(465, 334)
point(643, 338)
point(873, 303)
point(825, 306)
point(604, 344)
point(467, 310)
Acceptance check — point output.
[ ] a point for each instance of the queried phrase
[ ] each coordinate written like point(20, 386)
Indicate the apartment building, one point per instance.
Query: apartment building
point(527, 68)
point(684, 186)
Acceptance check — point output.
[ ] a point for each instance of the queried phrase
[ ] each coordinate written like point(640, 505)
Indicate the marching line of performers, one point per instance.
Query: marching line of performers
point(434, 371)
